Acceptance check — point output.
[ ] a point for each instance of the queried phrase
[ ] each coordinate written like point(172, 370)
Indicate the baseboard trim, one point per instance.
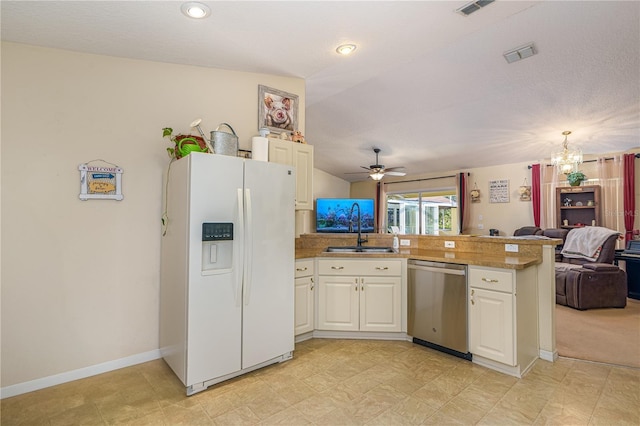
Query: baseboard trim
point(81, 373)
point(375, 335)
point(548, 355)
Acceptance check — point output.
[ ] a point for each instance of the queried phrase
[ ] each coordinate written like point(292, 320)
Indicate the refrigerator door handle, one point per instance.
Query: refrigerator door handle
point(248, 249)
point(237, 252)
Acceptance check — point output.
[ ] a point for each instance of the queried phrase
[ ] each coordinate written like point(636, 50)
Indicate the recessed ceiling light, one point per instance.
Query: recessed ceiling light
point(195, 10)
point(345, 49)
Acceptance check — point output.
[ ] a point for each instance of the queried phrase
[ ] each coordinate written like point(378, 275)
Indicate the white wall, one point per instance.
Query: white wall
point(506, 217)
point(329, 186)
point(80, 278)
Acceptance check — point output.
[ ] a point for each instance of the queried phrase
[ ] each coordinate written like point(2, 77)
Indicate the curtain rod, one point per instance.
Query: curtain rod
point(418, 180)
point(588, 161)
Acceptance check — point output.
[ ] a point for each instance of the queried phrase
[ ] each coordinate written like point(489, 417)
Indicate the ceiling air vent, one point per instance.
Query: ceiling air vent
point(519, 53)
point(469, 8)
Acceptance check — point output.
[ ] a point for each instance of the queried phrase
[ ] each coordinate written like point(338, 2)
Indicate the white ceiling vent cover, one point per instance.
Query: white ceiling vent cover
point(469, 8)
point(519, 53)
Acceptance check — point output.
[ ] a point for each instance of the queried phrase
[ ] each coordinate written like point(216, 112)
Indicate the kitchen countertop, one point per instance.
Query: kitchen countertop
point(464, 258)
point(469, 249)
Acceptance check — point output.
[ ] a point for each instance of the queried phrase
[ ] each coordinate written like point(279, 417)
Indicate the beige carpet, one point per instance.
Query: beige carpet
point(603, 335)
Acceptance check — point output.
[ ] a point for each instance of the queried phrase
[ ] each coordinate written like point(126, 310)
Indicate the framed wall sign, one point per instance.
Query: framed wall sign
point(100, 182)
point(499, 191)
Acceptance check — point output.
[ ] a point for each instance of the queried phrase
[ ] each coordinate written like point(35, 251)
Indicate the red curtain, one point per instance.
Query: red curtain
point(535, 193)
point(463, 201)
point(629, 191)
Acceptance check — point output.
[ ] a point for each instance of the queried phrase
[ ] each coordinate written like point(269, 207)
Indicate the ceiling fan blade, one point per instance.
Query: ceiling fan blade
point(387, 172)
point(355, 173)
point(391, 169)
point(366, 168)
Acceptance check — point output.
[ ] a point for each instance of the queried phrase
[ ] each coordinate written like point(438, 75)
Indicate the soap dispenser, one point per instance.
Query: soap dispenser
point(396, 242)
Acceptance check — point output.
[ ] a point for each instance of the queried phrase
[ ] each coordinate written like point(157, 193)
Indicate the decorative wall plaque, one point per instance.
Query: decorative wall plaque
point(499, 191)
point(100, 182)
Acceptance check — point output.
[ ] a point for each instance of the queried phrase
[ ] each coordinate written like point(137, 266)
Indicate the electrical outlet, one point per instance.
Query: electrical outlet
point(405, 242)
point(450, 244)
point(511, 248)
point(480, 217)
point(480, 226)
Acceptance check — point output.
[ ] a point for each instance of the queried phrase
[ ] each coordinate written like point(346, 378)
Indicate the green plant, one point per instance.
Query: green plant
point(575, 178)
point(168, 132)
point(189, 143)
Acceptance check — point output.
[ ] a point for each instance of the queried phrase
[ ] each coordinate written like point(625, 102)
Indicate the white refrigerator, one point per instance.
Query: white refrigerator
point(227, 272)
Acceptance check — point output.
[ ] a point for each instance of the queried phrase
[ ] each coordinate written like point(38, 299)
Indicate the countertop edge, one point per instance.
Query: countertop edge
point(463, 258)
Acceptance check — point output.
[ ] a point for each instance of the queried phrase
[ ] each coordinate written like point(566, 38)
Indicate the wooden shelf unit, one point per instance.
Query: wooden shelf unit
point(584, 214)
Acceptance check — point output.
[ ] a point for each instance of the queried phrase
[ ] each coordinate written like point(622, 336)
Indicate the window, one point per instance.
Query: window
point(423, 213)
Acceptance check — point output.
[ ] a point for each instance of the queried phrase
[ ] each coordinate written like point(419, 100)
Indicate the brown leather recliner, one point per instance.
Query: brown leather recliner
point(582, 284)
point(596, 285)
point(527, 230)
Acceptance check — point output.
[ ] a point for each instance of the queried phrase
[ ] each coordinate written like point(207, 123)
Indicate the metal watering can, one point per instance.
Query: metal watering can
point(223, 142)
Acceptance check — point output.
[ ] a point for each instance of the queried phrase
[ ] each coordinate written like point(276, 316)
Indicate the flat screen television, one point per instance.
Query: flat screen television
point(332, 214)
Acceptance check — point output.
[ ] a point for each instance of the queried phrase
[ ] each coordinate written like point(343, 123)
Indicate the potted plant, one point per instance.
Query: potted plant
point(576, 178)
point(183, 144)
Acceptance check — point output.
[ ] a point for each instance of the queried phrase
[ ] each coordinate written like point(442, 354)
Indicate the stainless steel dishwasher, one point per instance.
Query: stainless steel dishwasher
point(438, 306)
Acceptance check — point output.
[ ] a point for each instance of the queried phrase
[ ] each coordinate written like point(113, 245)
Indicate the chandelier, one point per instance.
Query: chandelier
point(567, 160)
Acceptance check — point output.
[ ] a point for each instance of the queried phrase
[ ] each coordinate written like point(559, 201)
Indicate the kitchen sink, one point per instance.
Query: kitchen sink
point(363, 249)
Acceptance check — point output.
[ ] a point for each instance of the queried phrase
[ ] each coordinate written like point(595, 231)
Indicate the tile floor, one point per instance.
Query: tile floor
point(345, 382)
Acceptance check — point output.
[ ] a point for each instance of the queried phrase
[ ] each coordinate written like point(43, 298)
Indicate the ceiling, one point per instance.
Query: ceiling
point(427, 85)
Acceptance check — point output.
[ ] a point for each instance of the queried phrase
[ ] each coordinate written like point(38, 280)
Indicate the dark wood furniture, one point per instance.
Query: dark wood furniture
point(631, 259)
point(583, 209)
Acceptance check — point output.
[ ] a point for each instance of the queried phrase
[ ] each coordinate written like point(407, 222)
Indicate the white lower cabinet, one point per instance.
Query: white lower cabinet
point(304, 296)
point(359, 295)
point(503, 319)
point(491, 325)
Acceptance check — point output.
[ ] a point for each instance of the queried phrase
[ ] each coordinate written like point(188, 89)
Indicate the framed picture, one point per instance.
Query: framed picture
point(277, 110)
point(525, 193)
point(499, 191)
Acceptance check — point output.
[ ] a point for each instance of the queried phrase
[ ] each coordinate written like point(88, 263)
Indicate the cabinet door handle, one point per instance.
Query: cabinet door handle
point(382, 268)
point(312, 284)
point(337, 267)
point(472, 301)
point(301, 269)
point(361, 284)
point(489, 280)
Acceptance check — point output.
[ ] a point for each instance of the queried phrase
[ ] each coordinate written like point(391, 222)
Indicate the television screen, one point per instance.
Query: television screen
point(332, 214)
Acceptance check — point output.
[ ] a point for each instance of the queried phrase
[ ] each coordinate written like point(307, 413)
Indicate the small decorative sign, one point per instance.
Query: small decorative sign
point(475, 193)
point(499, 191)
point(100, 182)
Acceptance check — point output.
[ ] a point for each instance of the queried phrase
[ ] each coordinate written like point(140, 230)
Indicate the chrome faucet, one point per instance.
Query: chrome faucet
point(360, 239)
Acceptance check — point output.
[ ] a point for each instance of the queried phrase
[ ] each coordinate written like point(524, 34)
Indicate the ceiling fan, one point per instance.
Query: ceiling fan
point(377, 171)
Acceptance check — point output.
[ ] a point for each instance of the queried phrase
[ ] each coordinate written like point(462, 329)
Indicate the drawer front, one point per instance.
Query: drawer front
point(376, 267)
point(304, 268)
point(491, 279)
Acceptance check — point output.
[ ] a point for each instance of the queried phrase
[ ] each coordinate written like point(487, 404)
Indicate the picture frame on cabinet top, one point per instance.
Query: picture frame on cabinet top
point(277, 110)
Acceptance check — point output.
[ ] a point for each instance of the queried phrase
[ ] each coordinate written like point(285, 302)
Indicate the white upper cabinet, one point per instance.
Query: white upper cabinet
point(301, 157)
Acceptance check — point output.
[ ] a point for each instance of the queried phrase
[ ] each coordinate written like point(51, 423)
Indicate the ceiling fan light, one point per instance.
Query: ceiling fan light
point(376, 175)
